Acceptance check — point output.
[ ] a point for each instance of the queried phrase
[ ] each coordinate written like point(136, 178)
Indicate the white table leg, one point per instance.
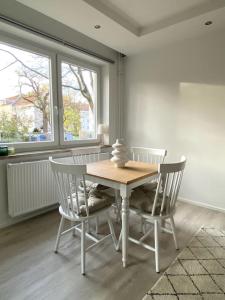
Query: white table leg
point(125, 228)
point(118, 206)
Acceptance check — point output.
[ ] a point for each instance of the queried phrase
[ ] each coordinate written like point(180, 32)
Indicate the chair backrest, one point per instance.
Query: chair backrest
point(67, 178)
point(169, 181)
point(150, 155)
point(86, 155)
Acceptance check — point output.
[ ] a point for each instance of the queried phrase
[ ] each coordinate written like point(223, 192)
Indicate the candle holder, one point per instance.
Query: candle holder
point(103, 133)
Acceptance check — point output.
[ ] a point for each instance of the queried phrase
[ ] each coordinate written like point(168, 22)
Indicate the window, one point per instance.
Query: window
point(25, 96)
point(46, 99)
point(79, 95)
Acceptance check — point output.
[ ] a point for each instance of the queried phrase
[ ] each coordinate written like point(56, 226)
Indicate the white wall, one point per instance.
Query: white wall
point(175, 99)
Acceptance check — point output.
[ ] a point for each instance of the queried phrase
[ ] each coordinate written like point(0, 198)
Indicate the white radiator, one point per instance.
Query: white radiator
point(31, 186)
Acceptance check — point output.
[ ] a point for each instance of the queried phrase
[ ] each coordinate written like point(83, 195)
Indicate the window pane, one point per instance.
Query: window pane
point(79, 92)
point(25, 96)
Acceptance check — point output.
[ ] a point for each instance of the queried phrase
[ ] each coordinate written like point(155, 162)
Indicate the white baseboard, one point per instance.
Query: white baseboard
point(201, 204)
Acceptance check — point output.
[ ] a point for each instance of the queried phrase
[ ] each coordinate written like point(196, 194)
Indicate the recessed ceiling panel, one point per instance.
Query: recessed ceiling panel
point(142, 13)
point(132, 26)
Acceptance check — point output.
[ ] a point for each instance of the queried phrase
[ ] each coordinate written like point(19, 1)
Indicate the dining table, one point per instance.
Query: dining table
point(123, 181)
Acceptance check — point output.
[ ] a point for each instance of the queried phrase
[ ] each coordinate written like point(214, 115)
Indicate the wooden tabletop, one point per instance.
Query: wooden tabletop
point(132, 171)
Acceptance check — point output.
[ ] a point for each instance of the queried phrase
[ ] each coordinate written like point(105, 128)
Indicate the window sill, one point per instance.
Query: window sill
point(43, 152)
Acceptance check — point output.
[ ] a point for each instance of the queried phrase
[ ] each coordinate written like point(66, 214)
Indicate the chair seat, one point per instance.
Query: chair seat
point(97, 200)
point(91, 185)
point(143, 200)
point(149, 186)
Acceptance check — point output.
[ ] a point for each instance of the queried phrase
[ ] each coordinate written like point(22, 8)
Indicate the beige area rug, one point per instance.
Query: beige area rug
point(197, 273)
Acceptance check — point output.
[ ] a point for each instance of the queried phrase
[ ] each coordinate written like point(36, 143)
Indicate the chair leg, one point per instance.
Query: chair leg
point(111, 228)
point(83, 248)
point(59, 234)
point(143, 225)
point(163, 224)
point(174, 232)
point(88, 227)
point(119, 241)
point(96, 225)
point(156, 229)
point(74, 230)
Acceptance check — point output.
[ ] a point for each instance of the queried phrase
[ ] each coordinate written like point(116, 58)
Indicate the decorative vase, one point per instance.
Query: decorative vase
point(119, 154)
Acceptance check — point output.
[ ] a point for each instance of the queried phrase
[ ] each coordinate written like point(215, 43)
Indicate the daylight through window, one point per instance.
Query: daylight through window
point(45, 98)
point(25, 96)
point(79, 91)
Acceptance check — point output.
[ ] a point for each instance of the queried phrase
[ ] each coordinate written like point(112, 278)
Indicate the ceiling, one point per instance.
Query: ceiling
point(131, 26)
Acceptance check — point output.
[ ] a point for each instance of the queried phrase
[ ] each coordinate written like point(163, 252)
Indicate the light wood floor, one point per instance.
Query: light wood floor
point(29, 269)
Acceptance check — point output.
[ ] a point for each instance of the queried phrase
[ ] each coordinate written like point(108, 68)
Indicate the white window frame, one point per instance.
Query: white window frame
point(56, 57)
point(33, 48)
point(86, 65)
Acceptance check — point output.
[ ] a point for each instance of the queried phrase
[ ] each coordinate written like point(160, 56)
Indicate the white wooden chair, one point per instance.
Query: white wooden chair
point(86, 155)
point(83, 156)
point(79, 207)
point(148, 155)
point(159, 205)
point(92, 154)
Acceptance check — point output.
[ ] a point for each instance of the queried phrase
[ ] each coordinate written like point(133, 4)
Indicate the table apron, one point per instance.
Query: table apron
point(120, 186)
point(103, 181)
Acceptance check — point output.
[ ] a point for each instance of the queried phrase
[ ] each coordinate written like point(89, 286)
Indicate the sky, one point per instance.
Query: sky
point(8, 76)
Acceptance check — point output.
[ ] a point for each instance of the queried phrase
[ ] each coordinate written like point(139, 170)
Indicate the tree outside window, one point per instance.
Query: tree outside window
point(26, 100)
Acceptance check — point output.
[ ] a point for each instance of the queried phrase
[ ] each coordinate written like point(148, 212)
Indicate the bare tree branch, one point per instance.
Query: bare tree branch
point(83, 87)
point(66, 73)
point(70, 87)
point(92, 80)
point(8, 65)
point(38, 97)
point(24, 65)
point(32, 84)
point(26, 98)
point(85, 92)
